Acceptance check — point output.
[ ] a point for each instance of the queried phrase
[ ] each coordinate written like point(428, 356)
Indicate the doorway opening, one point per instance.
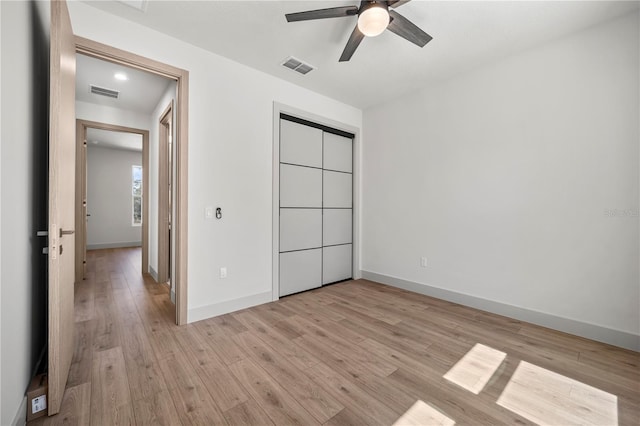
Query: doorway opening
point(176, 241)
point(165, 196)
point(99, 136)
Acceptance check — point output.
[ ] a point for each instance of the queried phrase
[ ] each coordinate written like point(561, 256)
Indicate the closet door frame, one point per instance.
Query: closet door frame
point(278, 109)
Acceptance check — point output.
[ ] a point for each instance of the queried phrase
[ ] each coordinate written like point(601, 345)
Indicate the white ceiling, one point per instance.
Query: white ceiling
point(466, 35)
point(114, 140)
point(141, 92)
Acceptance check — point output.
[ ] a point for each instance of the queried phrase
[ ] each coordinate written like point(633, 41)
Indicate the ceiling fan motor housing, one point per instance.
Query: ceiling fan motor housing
point(373, 17)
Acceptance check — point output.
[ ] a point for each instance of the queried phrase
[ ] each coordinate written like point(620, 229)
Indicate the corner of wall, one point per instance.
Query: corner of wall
point(209, 311)
point(20, 418)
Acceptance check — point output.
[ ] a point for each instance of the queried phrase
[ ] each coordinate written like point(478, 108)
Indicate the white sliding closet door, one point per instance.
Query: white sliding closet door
point(337, 203)
point(316, 216)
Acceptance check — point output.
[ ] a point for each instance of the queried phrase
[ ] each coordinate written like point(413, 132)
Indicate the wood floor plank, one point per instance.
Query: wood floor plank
point(221, 384)
point(348, 417)
point(344, 390)
point(80, 370)
point(110, 397)
point(106, 334)
point(279, 405)
point(193, 402)
point(84, 301)
point(143, 371)
point(322, 317)
point(248, 413)
point(222, 344)
point(75, 407)
point(345, 348)
point(320, 404)
point(276, 339)
point(157, 409)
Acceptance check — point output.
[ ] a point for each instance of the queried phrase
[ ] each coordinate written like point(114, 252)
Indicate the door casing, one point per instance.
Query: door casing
point(164, 240)
point(81, 191)
point(180, 226)
point(279, 108)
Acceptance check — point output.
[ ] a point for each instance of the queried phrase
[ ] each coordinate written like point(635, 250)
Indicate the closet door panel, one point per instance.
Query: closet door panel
point(300, 229)
point(300, 144)
point(300, 186)
point(338, 153)
point(336, 263)
point(300, 270)
point(336, 226)
point(337, 191)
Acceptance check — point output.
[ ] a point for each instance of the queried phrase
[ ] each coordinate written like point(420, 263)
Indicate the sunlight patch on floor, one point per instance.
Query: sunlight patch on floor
point(421, 414)
point(545, 397)
point(475, 369)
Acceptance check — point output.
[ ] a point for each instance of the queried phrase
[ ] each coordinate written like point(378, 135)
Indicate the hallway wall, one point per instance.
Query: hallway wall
point(24, 76)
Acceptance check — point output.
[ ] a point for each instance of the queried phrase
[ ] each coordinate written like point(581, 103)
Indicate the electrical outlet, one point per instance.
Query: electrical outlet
point(423, 262)
point(223, 272)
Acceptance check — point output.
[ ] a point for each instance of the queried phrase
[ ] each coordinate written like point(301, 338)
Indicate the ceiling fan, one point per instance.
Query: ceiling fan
point(373, 18)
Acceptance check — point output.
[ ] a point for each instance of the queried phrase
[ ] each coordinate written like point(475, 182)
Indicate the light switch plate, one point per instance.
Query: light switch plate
point(208, 213)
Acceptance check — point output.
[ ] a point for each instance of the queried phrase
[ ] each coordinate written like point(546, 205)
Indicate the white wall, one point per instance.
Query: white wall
point(1, 365)
point(502, 178)
point(109, 198)
point(154, 159)
point(109, 115)
point(25, 69)
point(230, 158)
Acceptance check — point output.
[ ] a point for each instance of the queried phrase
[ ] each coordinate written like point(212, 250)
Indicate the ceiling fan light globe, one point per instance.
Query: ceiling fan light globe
point(373, 21)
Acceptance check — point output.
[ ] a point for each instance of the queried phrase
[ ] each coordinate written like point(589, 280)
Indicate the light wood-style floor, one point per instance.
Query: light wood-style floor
point(351, 353)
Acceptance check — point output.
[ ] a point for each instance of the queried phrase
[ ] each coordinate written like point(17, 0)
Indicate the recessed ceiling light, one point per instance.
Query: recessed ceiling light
point(121, 76)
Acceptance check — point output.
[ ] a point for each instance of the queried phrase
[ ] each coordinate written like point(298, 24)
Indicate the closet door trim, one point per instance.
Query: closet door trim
point(330, 126)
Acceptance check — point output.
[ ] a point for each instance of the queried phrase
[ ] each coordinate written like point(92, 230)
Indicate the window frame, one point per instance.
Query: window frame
point(134, 196)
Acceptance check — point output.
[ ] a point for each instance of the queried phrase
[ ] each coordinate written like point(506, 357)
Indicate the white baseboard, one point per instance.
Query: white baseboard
point(114, 245)
point(619, 338)
point(208, 311)
point(153, 273)
point(172, 295)
point(20, 419)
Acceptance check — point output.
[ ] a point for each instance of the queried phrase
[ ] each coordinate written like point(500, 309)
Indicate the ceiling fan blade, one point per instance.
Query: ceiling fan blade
point(407, 29)
point(397, 3)
point(332, 12)
point(353, 43)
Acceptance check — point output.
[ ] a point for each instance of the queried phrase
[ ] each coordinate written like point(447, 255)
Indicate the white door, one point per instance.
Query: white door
point(62, 168)
point(315, 207)
point(337, 202)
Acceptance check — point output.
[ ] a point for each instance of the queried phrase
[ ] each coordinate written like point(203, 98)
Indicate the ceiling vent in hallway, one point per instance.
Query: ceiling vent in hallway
point(102, 91)
point(297, 65)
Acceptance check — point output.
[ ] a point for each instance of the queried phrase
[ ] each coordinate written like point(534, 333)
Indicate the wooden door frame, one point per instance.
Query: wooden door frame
point(163, 198)
point(180, 228)
point(81, 188)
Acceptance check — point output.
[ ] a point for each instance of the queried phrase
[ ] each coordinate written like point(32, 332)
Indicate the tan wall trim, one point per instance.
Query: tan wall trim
point(112, 54)
point(81, 181)
point(166, 118)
